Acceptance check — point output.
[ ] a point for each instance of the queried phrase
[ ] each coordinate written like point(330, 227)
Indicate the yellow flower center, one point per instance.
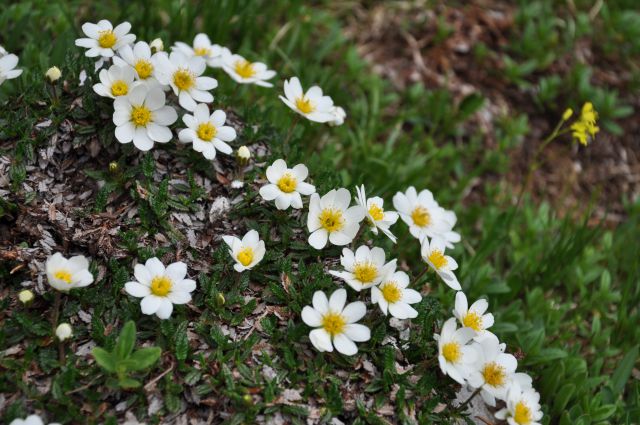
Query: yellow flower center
point(119, 88)
point(420, 216)
point(160, 286)
point(451, 352)
point(201, 51)
point(522, 414)
point(244, 69)
point(473, 320)
point(331, 220)
point(207, 131)
point(333, 323)
point(391, 292)
point(304, 105)
point(63, 275)
point(365, 272)
point(494, 374)
point(184, 79)
point(245, 256)
point(438, 259)
point(140, 115)
point(287, 183)
point(144, 69)
point(107, 39)
point(376, 212)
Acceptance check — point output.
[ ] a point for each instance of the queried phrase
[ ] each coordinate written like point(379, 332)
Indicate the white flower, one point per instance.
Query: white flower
point(30, 420)
point(311, 105)
point(493, 370)
point(157, 45)
point(375, 214)
point(159, 287)
point(523, 406)
point(425, 217)
point(433, 254)
point(65, 274)
point(7, 68)
point(237, 184)
point(207, 132)
point(139, 58)
point(286, 185)
point(336, 323)
point(201, 47)
point(3, 52)
point(246, 252)
point(142, 117)
point(64, 331)
point(245, 72)
point(455, 357)
point(364, 268)
point(115, 82)
point(184, 75)
point(330, 217)
point(104, 40)
point(25, 296)
point(473, 317)
point(338, 116)
point(392, 295)
point(53, 74)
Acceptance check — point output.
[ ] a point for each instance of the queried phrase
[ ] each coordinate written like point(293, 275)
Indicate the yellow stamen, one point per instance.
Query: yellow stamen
point(473, 320)
point(304, 105)
point(287, 183)
point(144, 69)
point(245, 256)
point(420, 216)
point(63, 275)
point(244, 69)
point(331, 220)
point(207, 131)
point(334, 323)
point(391, 292)
point(438, 259)
point(140, 115)
point(107, 39)
point(119, 88)
point(160, 286)
point(451, 352)
point(184, 79)
point(201, 51)
point(522, 414)
point(494, 374)
point(365, 272)
point(376, 212)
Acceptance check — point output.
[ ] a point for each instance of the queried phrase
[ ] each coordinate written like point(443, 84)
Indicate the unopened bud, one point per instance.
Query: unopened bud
point(567, 114)
point(25, 296)
point(64, 331)
point(157, 45)
point(243, 155)
point(113, 167)
point(247, 400)
point(53, 74)
point(220, 300)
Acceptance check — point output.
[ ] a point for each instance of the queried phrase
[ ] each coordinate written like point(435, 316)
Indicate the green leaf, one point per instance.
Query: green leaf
point(623, 371)
point(563, 396)
point(469, 105)
point(182, 343)
point(143, 358)
point(129, 383)
point(105, 359)
point(126, 340)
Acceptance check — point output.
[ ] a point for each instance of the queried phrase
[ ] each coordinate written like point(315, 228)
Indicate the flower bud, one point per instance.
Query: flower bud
point(53, 74)
point(157, 45)
point(567, 114)
point(113, 167)
point(338, 116)
point(64, 331)
point(243, 155)
point(25, 296)
point(247, 400)
point(220, 300)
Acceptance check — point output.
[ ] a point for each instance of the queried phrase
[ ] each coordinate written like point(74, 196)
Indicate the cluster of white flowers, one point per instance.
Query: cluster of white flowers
point(473, 356)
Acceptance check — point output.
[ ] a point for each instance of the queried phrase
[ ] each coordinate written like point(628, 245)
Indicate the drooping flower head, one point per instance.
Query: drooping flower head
point(375, 215)
point(65, 274)
point(433, 254)
point(364, 268)
point(207, 133)
point(286, 185)
point(201, 47)
point(310, 104)
point(330, 218)
point(142, 117)
point(159, 287)
point(394, 296)
point(245, 72)
point(335, 323)
point(246, 252)
point(103, 39)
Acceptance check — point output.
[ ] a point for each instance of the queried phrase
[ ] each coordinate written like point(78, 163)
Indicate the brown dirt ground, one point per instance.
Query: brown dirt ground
point(400, 42)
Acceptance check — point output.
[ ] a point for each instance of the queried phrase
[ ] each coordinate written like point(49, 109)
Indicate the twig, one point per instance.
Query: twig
point(151, 383)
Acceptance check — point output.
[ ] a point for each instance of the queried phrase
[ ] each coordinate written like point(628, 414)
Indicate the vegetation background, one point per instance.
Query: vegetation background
point(452, 96)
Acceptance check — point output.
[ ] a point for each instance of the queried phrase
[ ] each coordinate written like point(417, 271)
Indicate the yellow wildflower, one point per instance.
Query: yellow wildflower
point(585, 128)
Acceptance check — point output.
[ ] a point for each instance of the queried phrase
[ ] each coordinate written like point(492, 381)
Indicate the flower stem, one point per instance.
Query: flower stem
point(56, 311)
point(421, 274)
point(467, 401)
point(290, 133)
